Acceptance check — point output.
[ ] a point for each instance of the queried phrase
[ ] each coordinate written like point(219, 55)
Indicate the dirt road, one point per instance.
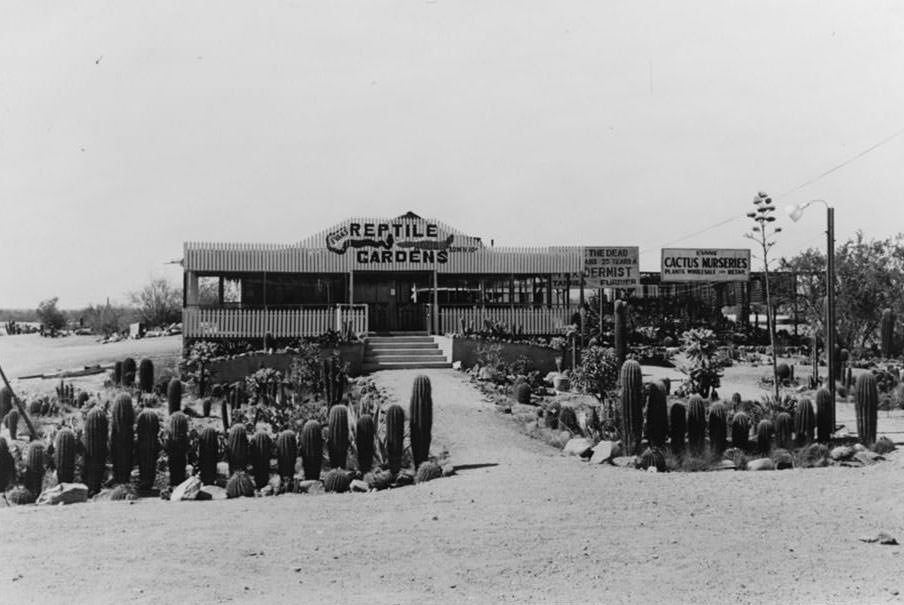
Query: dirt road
point(524, 524)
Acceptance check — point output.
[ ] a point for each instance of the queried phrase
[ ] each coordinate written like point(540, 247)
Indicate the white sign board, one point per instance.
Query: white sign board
point(705, 264)
point(560, 281)
point(612, 267)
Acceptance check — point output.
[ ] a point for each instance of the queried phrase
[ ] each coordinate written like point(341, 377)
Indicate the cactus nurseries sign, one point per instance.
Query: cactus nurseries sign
point(705, 264)
point(612, 267)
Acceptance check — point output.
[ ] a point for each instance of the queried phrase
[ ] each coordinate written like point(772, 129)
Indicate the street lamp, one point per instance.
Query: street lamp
point(795, 212)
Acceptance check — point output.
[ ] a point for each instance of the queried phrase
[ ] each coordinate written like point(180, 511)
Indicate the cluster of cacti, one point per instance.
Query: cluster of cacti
point(696, 424)
point(365, 430)
point(653, 457)
point(237, 448)
point(717, 424)
point(177, 445)
point(121, 438)
point(764, 431)
point(632, 398)
point(657, 415)
point(287, 453)
point(128, 372)
point(146, 376)
point(311, 447)
point(148, 431)
point(621, 330)
point(333, 380)
point(804, 422)
point(866, 406)
point(783, 429)
point(887, 333)
point(34, 467)
point(420, 420)
point(521, 392)
point(740, 430)
point(260, 448)
point(677, 427)
point(825, 416)
point(208, 455)
point(337, 480)
point(94, 440)
point(65, 393)
point(337, 436)
point(428, 471)
point(395, 436)
point(174, 395)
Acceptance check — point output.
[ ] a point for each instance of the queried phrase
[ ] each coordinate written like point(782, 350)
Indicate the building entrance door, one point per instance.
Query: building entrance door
point(392, 301)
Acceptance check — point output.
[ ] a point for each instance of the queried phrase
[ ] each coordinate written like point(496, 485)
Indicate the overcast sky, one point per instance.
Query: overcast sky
point(129, 128)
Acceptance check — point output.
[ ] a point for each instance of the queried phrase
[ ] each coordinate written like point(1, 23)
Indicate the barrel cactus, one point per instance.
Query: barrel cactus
point(887, 332)
point(696, 424)
point(421, 420)
point(224, 415)
point(7, 465)
point(677, 427)
point(428, 471)
point(128, 372)
point(657, 415)
point(121, 438)
point(6, 401)
point(34, 467)
point(825, 417)
point(764, 431)
point(652, 457)
point(621, 330)
point(783, 372)
point(174, 395)
point(146, 376)
point(177, 447)
point(718, 427)
point(632, 397)
point(783, 429)
point(395, 435)
point(740, 430)
point(337, 436)
point(804, 422)
point(237, 448)
point(311, 449)
point(240, 485)
point(337, 480)
point(117, 373)
point(521, 392)
point(208, 455)
point(364, 442)
point(866, 405)
point(20, 495)
point(259, 450)
point(568, 419)
point(286, 453)
point(94, 440)
point(148, 430)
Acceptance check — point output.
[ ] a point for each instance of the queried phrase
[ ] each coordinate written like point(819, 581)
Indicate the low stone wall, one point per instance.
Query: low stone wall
point(237, 368)
point(465, 351)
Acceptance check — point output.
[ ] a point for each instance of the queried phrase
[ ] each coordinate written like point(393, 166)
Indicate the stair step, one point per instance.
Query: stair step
point(383, 359)
point(402, 346)
point(406, 365)
point(399, 339)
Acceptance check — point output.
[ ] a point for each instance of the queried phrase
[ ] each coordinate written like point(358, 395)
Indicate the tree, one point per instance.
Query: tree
point(106, 319)
point(48, 314)
point(158, 303)
point(869, 277)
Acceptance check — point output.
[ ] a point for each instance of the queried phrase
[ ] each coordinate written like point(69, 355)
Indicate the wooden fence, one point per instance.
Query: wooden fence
point(281, 323)
point(537, 321)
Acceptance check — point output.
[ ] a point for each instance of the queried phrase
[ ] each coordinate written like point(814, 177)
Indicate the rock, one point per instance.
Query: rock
point(64, 493)
point(275, 484)
point(725, 465)
point(782, 460)
point(761, 464)
point(624, 461)
point(403, 478)
point(214, 492)
point(456, 365)
point(652, 469)
point(550, 377)
point(448, 470)
point(202, 495)
point(841, 452)
point(308, 486)
point(578, 446)
point(886, 539)
point(604, 451)
point(187, 490)
point(358, 485)
point(859, 447)
point(866, 458)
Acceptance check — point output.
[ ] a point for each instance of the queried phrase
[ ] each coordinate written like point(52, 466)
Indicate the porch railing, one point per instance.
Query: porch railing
point(280, 323)
point(530, 321)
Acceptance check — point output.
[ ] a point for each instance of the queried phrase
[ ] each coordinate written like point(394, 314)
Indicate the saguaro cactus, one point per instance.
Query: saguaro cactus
point(632, 397)
point(121, 438)
point(34, 467)
point(6, 401)
point(148, 428)
point(208, 454)
point(237, 448)
point(128, 372)
point(866, 405)
point(677, 427)
point(286, 453)
point(825, 419)
point(804, 422)
point(657, 415)
point(177, 447)
point(7, 465)
point(146, 375)
point(94, 440)
point(740, 430)
point(64, 445)
point(420, 419)
point(783, 423)
point(337, 435)
point(887, 332)
point(174, 395)
point(395, 436)
point(764, 431)
point(312, 449)
point(621, 330)
point(718, 427)
point(261, 447)
point(696, 424)
point(364, 442)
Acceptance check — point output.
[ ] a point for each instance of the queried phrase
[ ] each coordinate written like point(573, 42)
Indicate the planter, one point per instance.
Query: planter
point(237, 368)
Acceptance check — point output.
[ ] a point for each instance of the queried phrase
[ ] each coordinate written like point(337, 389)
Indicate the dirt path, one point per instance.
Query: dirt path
point(535, 527)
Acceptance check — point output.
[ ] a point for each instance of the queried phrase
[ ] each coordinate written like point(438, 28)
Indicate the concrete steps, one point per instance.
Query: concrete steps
point(403, 352)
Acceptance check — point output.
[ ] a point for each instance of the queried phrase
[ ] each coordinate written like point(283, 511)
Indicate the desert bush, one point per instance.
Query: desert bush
point(597, 373)
point(700, 345)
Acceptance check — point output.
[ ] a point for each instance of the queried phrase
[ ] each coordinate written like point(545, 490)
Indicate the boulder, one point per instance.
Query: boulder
point(624, 461)
point(866, 457)
point(761, 464)
point(187, 490)
point(578, 446)
point(725, 465)
point(308, 486)
point(214, 492)
point(841, 452)
point(358, 485)
point(605, 451)
point(782, 460)
point(64, 493)
point(456, 365)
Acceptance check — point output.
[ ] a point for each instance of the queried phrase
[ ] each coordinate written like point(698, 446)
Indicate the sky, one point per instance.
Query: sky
point(127, 129)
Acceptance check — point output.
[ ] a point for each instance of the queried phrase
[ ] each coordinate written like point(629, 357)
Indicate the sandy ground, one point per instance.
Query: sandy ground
point(522, 524)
